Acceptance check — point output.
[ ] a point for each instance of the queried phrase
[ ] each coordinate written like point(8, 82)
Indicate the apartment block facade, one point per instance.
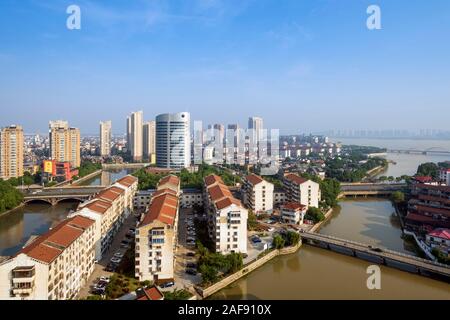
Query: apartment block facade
point(157, 234)
point(293, 213)
point(258, 194)
point(55, 266)
point(302, 191)
point(64, 143)
point(227, 218)
point(11, 152)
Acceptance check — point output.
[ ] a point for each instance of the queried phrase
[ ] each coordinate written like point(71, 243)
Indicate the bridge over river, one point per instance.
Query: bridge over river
point(55, 195)
point(379, 255)
point(370, 189)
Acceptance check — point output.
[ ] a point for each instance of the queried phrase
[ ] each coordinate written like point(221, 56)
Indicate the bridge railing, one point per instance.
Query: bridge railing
point(384, 250)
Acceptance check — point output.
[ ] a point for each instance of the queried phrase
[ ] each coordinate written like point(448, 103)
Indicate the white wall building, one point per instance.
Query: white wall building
point(135, 135)
point(173, 140)
point(227, 218)
point(156, 235)
point(105, 138)
point(55, 266)
point(301, 190)
point(293, 213)
point(257, 194)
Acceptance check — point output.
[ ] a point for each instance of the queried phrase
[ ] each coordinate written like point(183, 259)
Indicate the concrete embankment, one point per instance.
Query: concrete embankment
point(12, 210)
point(317, 226)
point(87, 178)
point(209, 291)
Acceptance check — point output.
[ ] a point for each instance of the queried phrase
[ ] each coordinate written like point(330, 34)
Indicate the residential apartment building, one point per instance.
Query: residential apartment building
point(105, 138)
point(227, 218)
point(429, 208)
point(149, 132)
point(156, 234)
point(439, 239)
point(135, 135)
point(173, 141)
point(293, 213)
point(11, 152)
point(301, 190)
point(55, 266)
point(64, 143)
point(109, 209)
point(257, 194)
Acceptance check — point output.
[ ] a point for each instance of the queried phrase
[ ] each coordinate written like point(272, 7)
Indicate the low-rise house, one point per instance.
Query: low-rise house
point(293, 213)
point(151, 293)
point(55, 266)
point(227, 218)
point(439, 239)
point(257, 194)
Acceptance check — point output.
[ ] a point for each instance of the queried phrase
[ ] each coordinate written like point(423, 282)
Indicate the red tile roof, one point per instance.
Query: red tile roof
point(152, 293)
point(295, 178)
point(254, 179)
point(50, 245)
point(423, 179)
point(219, 192)
point(212, 179)
point(127, 181)
point(99, 206)
point(110, 194)
point(293, 206)
point(226, 202)
point(440, 233)
point(444, 212)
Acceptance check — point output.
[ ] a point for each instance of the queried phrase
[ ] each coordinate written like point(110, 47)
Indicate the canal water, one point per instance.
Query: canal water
point(36, 218)
point(405, 164)
point(315, 273)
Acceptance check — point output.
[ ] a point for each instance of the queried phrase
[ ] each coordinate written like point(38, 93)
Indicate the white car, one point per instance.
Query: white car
point(104, 279)
point(118, 255)
point(116, 260)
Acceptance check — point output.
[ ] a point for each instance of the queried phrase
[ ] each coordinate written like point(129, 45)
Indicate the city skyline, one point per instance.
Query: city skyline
point(296, 67)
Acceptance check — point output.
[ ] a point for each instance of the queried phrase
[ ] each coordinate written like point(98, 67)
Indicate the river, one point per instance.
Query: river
point(315, 273)
point(19, 225)
point(406, 164)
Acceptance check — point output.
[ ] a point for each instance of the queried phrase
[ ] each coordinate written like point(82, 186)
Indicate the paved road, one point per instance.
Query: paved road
point(115, 247)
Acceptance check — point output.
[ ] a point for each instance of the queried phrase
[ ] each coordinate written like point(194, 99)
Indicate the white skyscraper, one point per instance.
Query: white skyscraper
point(135, 136)
point(173, 143)
point(149, 132)
point(256, 123)
point(105, 138)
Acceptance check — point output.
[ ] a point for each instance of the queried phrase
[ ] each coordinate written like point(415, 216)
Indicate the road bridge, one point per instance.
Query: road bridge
point(379, 255)
point(55, 195)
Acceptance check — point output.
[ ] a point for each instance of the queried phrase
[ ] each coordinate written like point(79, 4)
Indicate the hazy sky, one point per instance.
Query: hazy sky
point(300, 64)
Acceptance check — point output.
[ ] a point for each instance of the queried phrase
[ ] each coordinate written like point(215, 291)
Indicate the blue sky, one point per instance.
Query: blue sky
point(303, 65)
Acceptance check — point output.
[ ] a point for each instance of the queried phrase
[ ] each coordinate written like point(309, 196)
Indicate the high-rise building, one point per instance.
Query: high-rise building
point(105, 138)
point(149, 132)
point(64, 143)
point(11, 152)
point(256, 123)
point(173, 143)
point(135, 136)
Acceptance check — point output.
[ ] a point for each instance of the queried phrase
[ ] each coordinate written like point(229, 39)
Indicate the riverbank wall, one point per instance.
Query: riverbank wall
point(12, 210)
point(317, 226)
point(86, 178)
point(222, 284)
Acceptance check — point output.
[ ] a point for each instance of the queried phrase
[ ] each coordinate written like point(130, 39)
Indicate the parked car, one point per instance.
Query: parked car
point(167, 285)
point(119, 255)
point(99, 291)
point(191, 265)
point(116, 260)
point(256, 239)
point(190, 254)
point(105, 279)
point(111, 267)
point(192, 272)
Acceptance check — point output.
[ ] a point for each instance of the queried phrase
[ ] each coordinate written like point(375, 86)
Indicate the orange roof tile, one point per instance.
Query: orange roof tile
point(293, 206)
point(224, 203)
point(254, 179)
point(295, 178)
point(212, 179)
point(99, 206)
point(127, 181)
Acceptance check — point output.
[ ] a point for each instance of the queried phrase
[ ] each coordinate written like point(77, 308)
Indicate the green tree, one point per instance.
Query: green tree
point(235, 262)
point(292, 238)
point(428, 169)
point(209, 273)
point(10, 197)
point(398, 197)
point(278, 242)
point(252, 221)
point(315, 215)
